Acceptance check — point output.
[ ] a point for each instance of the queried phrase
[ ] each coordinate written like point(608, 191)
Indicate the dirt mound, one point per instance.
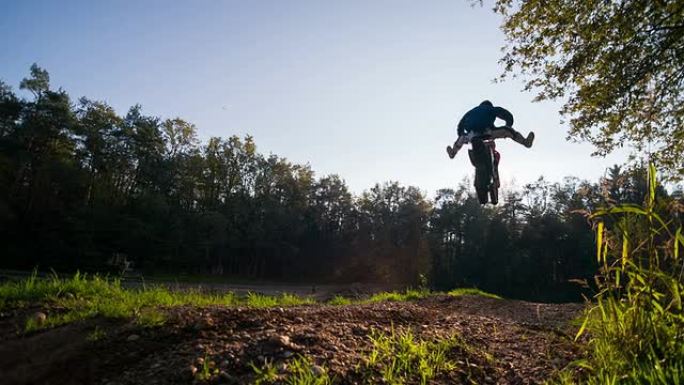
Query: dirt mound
point(509, 342)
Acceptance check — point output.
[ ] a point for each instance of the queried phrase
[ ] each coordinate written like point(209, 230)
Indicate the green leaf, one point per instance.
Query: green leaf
point(651, 185)
point(679, 238)
point(625, 248)
point(584, 326)
point(599, 240)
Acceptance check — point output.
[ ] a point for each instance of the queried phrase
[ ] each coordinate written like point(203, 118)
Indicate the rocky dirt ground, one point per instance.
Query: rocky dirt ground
point(513, 342)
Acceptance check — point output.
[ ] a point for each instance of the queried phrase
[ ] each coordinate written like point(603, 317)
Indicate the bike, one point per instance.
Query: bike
point(485, 158)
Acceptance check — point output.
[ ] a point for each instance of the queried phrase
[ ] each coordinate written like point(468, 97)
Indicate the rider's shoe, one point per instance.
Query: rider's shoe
point(529, 139)
point(451, 152)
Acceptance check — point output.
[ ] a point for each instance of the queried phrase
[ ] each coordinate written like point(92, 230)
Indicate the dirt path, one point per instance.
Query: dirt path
point(526, 342)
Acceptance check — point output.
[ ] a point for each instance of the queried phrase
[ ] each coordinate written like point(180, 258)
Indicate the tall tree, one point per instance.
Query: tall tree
point(616, 64)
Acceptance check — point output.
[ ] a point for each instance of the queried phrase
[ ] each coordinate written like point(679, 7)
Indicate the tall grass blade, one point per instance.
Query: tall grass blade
point(625, 248)
point(678, 239)
point(599, 241)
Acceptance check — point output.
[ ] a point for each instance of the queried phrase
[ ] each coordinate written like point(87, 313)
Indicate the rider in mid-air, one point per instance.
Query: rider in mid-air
point(480, 120)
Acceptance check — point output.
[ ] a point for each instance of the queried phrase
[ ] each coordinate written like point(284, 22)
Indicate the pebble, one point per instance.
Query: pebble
point(226, 378)
point(280, 340)
point(317, 370)
point(39, 318)
point(133, 337)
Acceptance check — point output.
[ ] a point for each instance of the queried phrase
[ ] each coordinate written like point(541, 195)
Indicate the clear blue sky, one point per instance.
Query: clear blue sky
point(369, 90)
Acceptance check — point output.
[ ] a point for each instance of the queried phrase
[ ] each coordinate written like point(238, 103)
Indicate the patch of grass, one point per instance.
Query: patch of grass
point(303, 372)
point(207, 370)
point(399, 358)
point(339, 300)
point(408, 295)
point(97, 334)
point(472, 291)
point(260, 301)
point(300, 371)
point(394, 296)
point(81, 297)
point(265, 374)
point(635, 329)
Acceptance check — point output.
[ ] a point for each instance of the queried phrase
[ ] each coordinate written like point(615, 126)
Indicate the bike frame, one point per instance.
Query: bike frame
point(488, 172)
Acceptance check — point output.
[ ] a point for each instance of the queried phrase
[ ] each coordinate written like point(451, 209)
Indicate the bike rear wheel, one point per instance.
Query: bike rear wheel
point(494, 194)
point(482, 179)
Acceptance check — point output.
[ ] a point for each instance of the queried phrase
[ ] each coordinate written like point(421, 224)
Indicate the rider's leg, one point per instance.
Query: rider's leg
point(509, 132)
point(457, 146)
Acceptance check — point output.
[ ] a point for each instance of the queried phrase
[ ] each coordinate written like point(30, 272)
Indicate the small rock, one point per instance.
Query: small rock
point(280, 340)
point(287, 354)
point(39, 318)
point(193, 369)
point(226, 378)
point(317, 370)
point(282, 367)
point(200, 360)
point(133, 337)
point(299, 319)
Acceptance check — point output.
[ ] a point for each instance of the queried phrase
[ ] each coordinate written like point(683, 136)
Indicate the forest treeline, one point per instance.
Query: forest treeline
point(81, 186)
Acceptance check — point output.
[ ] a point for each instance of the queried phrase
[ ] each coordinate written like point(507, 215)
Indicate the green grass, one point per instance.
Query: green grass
point(303, 372)
point(300, 371)
point(265, 374)
point(396, 358)
point(472, 291)
point(339, 300)
point(81, 297)
point(97, 334)
point(635, 329)
point(394, 296)
point(399, 358)
point(261, 301)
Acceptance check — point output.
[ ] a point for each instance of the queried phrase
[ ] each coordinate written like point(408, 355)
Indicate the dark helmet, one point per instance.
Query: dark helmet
point(487, 103)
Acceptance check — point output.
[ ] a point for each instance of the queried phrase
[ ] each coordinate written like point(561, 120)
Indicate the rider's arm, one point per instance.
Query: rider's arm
point(461, 127)
point(505, 115)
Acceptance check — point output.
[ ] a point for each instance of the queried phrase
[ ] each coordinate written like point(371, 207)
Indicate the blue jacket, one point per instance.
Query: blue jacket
point(482, 117)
